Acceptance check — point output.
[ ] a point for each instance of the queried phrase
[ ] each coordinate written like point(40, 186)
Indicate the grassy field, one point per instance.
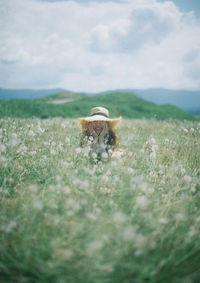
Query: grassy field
point(130, 219)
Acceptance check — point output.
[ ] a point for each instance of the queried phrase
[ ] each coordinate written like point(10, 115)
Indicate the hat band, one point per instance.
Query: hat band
point(99, 113)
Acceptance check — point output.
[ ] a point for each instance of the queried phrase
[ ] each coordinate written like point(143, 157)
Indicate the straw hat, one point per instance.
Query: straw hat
point(99, 114)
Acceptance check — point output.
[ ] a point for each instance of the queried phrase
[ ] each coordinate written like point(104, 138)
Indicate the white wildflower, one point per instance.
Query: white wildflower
point(119, 218)
point(24, 148)
point(129, 233)
point(2, 147)
point(73, 204)
point(78, 150)
point(153, 155)
point(94, 155)
point(118, 154)
point(114, 163)
point(46, 143)
point(53, 152)
point(84, 201)
point(187, 179)
point(151, 190)
point(70, 212)
point(40, 130)
point(83, 184)
point(86, 151)
point(33, 188)
point(67, 254)
point(65, 163)
point(142, 202)
point(51, 188)
point(14, 141)
point(162, 182)
point(60, 147)
point(37, 204)
point(67, 190)
point(182, 171)
point(163, 220)
point(179, 217)
point(105, 178)
point(152, 141)
point(104, 155)
point(58, 178)
point(95, 246)
point(91, 138)
point(116, 178)
point(70, 202)
point(198, 219)
point(32, 153)
point(143, 187)
point(67, 140)
point(97, 210)
point(192, 232)
point(130, 154)
point(10, 226)
point(154, 147)
point(130, 170)
point(91, 217)
point(105, 190)
point(31, 133)
point(63, 125)
point(141, 241)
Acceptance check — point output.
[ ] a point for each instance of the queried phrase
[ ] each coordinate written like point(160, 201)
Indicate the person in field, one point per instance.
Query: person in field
point(98, 133)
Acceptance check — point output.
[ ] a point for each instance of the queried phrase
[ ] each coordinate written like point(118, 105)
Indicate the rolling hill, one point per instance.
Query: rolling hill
point(120, 104)
point(187, 100)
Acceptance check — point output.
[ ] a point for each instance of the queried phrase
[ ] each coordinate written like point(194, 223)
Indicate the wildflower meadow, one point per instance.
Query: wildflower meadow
point(133, 218)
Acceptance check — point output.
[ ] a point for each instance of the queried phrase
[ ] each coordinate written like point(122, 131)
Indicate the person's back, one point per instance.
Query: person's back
point(98, 133)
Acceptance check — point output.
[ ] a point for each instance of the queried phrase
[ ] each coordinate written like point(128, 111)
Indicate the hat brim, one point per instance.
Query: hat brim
point(83, 122)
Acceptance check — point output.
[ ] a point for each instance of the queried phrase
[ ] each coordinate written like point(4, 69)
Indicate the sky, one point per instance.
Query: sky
point(94, 46)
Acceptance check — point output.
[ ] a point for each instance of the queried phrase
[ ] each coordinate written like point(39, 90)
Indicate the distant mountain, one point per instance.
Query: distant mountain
point(184, 99)
point(7, 94)
point(187, 100)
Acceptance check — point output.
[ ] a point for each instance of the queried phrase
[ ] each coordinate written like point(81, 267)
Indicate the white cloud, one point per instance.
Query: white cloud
point(98, 46)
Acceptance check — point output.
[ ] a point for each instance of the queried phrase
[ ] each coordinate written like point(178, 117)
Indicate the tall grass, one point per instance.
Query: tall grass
point(135, 218)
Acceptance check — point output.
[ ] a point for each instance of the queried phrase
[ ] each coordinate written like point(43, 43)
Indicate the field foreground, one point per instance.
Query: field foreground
point(131, 219)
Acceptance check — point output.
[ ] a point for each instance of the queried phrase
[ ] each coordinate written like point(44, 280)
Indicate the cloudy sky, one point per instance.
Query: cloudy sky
point(96, 45)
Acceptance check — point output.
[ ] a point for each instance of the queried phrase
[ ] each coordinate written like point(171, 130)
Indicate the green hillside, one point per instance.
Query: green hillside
point(120, 104)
